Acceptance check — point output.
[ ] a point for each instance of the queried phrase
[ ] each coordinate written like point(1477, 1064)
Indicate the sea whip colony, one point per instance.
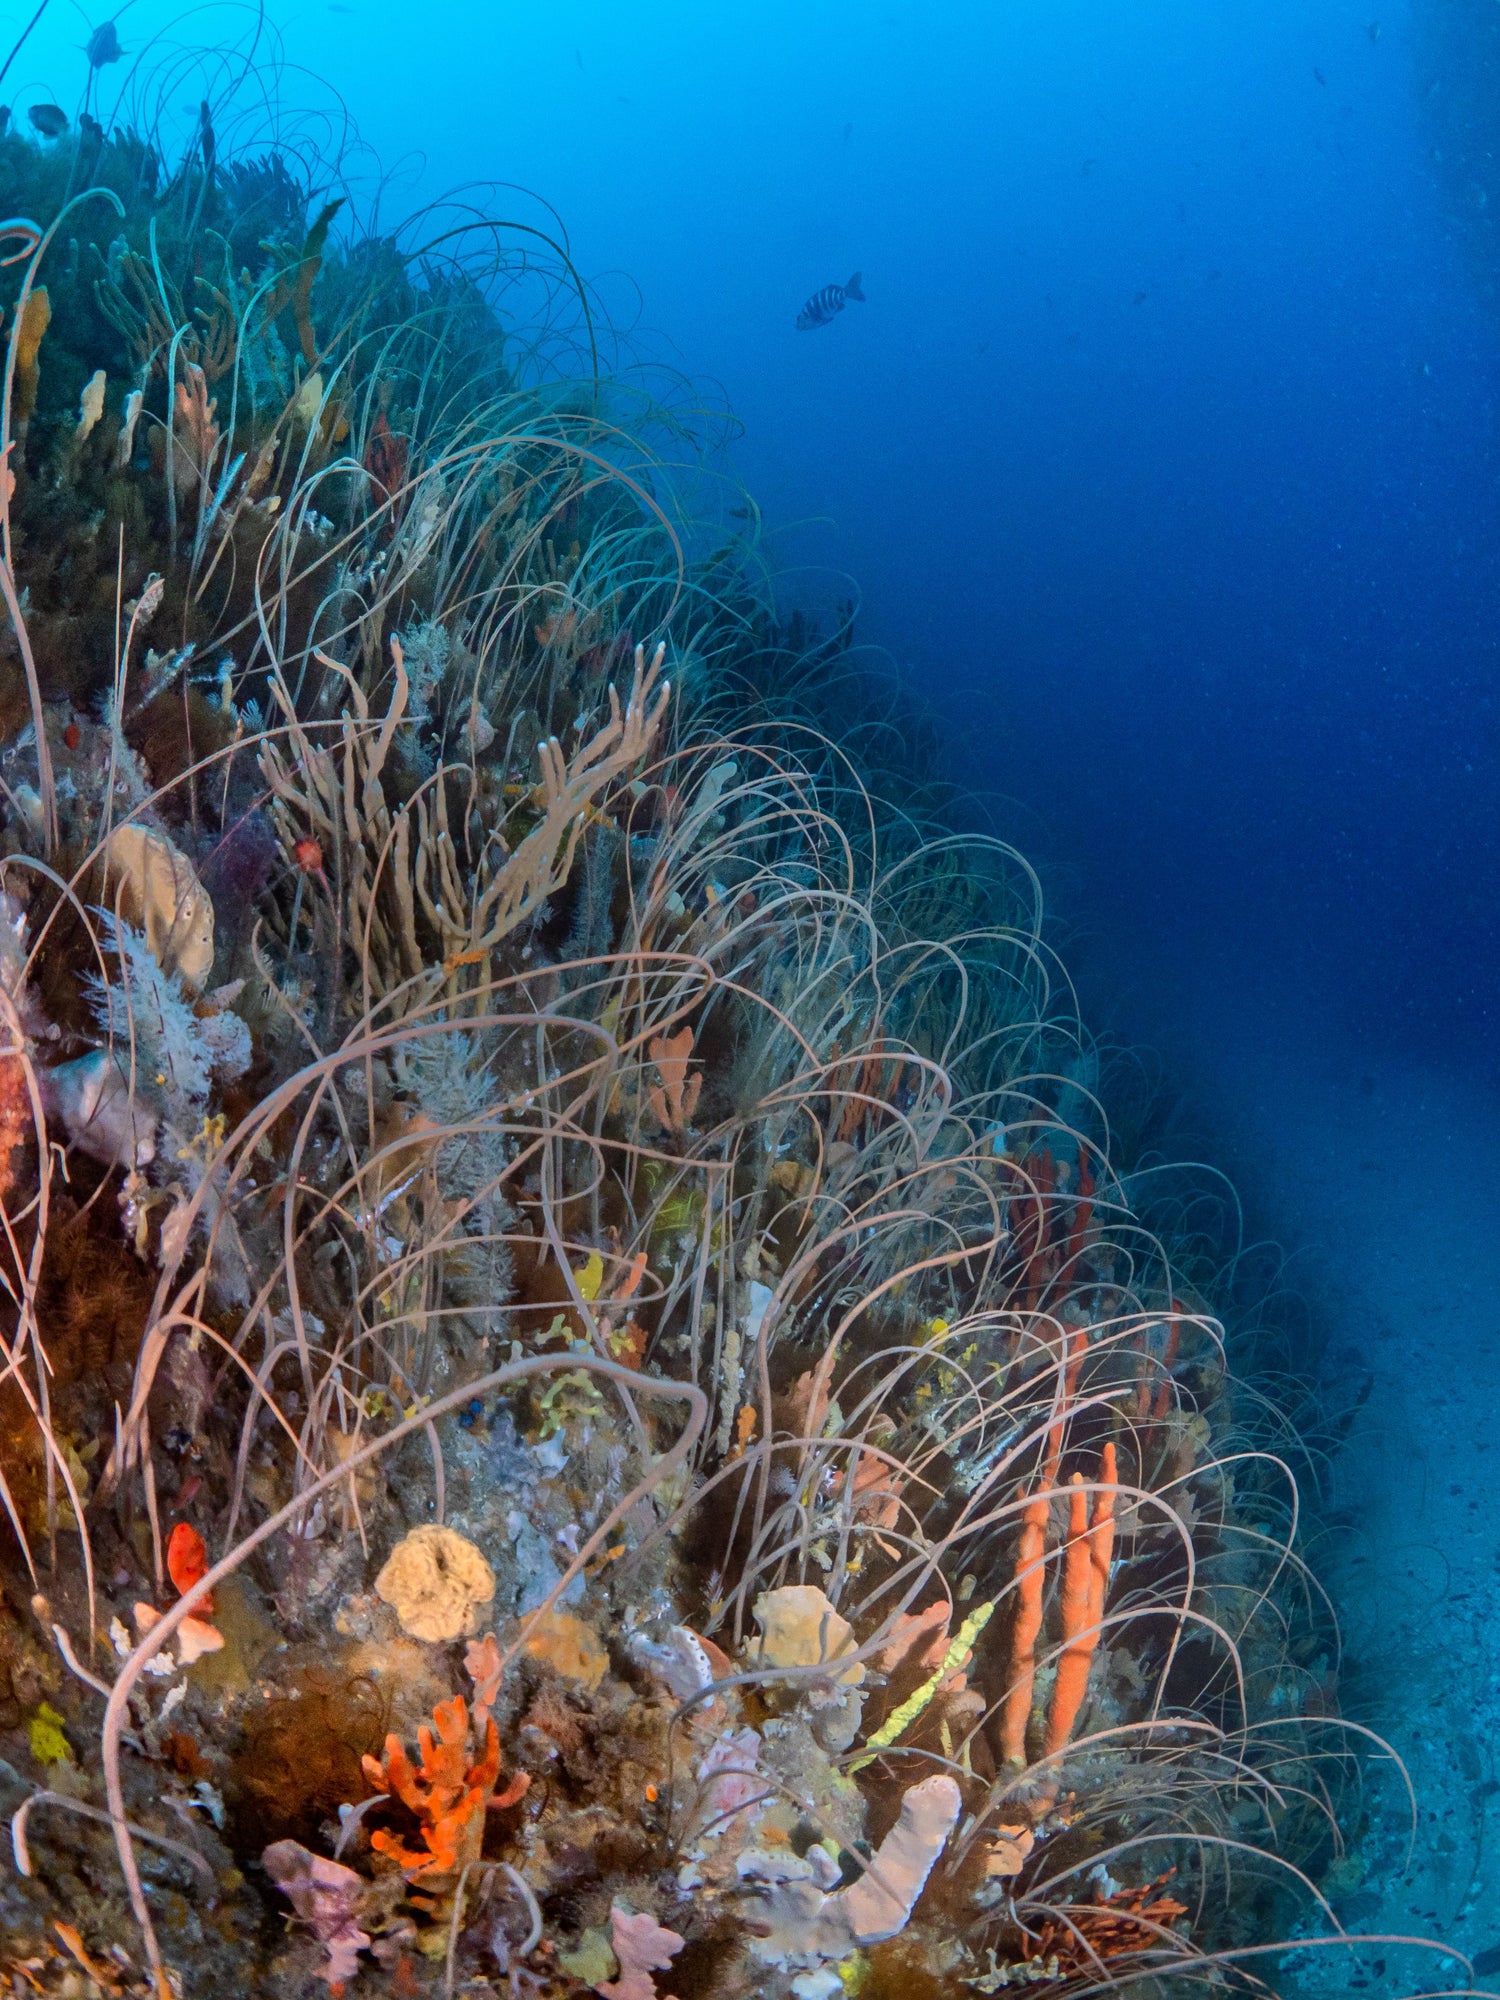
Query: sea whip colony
point(583, 1404)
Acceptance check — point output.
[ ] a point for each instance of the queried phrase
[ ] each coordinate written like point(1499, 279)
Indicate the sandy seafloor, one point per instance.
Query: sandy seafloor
point(1382, 1177)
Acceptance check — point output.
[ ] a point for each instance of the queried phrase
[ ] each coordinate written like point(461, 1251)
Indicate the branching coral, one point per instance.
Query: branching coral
point(449, 1792)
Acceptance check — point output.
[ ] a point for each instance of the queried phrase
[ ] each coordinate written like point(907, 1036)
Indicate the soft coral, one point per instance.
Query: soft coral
point(449, 1795)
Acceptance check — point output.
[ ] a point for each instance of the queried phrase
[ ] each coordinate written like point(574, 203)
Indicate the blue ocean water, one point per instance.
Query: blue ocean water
point(1162, 458)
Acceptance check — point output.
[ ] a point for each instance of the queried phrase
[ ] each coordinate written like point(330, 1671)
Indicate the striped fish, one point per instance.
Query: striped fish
point(827, 304)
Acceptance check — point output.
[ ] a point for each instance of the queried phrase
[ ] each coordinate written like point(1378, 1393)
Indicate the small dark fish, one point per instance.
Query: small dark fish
point(1372, 29)
point(1321, 78)
point(49, 119)
point(103, 46)
point(1140, 298)
point(849, 131)
point(829, 303)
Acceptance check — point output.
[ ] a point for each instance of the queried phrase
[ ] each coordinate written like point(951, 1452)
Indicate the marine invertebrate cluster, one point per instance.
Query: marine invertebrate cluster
point(449, 1792)
point(590, 1169)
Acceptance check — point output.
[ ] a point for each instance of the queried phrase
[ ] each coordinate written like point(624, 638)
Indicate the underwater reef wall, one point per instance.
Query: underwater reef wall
point(584, 1405)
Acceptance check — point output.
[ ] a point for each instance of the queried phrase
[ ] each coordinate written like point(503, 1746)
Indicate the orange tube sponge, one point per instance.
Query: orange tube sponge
point(1080, 1230)
point(1091, 1537)
point(1031, 1570)
point(15, 1116)
point(1075, 1346)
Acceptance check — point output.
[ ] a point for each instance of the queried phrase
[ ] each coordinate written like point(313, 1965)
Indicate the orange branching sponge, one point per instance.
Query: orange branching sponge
point(1091, 1539)
point(1031, 1572)
point(449, 1795)
point(675, 1098)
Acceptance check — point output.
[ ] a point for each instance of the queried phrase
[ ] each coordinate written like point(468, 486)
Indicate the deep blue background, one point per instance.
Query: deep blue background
point(1163, 451)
